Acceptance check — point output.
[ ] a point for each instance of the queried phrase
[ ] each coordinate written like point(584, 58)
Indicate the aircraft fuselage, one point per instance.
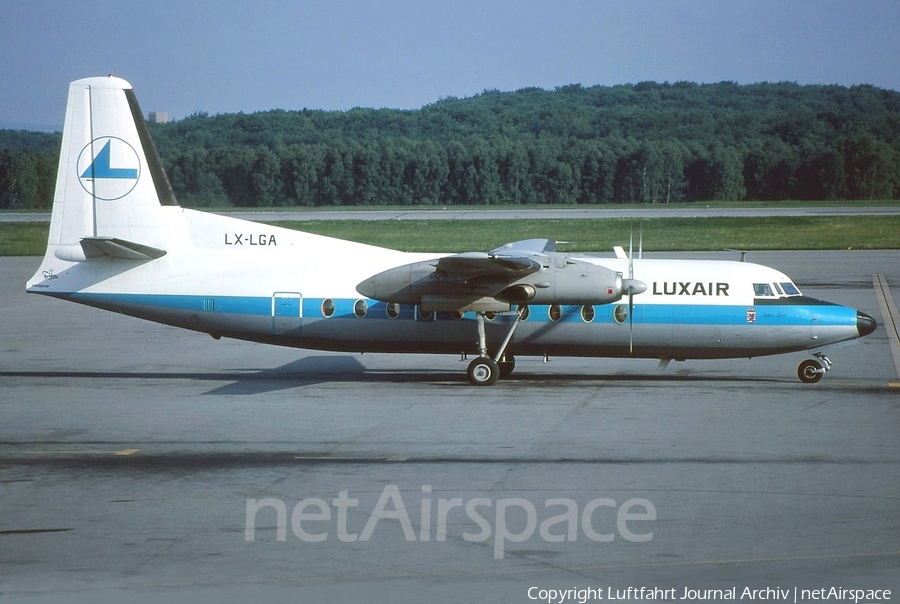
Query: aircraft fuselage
point(263, 293)
point(118, 241)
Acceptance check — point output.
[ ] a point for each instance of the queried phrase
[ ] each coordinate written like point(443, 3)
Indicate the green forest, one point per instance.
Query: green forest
point(641, 143)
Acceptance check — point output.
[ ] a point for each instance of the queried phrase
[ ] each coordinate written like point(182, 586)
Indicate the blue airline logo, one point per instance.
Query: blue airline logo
point(101, 168)
point(113, 172)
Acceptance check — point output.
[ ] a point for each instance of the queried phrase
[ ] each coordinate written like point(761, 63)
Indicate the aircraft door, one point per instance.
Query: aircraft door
point(287, 310)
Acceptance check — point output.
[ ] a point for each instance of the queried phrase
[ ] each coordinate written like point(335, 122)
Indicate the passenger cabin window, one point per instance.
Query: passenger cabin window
point(587, 313)
point(555, 312)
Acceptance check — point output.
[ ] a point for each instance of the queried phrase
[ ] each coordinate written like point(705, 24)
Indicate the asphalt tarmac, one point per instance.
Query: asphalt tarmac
point(142, 463)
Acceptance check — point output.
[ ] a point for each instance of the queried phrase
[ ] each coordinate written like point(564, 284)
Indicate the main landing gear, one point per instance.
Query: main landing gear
point(485, 370)
point(811, 371)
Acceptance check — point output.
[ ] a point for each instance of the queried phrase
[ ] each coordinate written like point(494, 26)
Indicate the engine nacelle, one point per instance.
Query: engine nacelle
point(408, 283)
point(569, 282)
point(559, 281)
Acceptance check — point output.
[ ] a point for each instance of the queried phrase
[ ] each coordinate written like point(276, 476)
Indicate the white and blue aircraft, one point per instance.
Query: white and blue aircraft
point(118, 241)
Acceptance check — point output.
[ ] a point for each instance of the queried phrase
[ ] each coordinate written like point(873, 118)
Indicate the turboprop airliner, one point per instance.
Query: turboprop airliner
point(118, 241)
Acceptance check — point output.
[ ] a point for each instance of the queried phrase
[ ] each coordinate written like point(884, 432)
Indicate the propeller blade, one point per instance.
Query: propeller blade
point(630, 323)
point(631, 254)
point(631, 292)
point(641, 242)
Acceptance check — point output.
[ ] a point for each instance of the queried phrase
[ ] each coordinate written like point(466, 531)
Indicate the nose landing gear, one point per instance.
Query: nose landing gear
point(811, 371)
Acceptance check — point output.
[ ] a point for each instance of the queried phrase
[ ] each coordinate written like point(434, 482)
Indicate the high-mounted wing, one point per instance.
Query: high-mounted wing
point(470, 265)
point(515, 259)
point(512, 260)
point(527, 246)
point(519, 272)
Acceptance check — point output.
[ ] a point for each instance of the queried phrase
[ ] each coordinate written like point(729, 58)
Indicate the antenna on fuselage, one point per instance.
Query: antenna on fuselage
point(743, 253)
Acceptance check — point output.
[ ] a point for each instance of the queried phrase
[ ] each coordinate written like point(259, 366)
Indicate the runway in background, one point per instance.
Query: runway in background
point(522, 212)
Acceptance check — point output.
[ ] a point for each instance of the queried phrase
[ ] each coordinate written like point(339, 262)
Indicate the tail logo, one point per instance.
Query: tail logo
point(108, 168)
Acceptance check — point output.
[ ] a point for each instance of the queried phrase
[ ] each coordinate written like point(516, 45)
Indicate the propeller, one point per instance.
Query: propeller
point(632, 286)
point(641, 243)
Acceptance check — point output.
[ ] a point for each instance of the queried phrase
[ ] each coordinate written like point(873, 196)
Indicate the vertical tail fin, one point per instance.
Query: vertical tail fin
point(110, 183)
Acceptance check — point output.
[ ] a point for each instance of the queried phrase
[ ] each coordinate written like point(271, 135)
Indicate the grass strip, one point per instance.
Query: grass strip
point(588, 234)
point(599, 235)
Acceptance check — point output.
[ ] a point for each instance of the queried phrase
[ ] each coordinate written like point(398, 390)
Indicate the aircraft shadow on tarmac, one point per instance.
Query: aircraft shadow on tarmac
point(323, 369)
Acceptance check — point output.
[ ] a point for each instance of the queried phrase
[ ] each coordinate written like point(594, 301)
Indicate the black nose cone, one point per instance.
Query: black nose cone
point(865, 324)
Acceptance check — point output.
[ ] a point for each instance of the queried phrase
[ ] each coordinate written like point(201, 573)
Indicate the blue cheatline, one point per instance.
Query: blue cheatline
point(648, 314)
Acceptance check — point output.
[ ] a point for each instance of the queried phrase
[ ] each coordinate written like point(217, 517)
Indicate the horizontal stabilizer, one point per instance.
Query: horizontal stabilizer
point(114, 247)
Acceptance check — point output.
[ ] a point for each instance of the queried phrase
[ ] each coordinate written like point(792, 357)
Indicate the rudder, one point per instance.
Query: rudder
point(110, 182)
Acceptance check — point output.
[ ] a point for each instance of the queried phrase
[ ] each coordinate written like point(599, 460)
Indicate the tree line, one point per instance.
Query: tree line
point(643, 143)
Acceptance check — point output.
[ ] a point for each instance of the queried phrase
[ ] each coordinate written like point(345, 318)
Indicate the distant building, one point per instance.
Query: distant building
point(158, 117)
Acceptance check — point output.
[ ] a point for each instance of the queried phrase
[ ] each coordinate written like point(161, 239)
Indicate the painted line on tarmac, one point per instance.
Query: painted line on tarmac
point(69, 452)
point(891, 318)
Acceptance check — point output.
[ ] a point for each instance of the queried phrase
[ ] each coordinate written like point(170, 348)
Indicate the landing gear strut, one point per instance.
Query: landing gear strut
point(811, 371)
point(484, 370)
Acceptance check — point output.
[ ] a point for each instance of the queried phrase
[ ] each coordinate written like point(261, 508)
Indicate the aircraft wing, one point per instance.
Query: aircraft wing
point(508, 262)
point(534, 246)
point(472, 280)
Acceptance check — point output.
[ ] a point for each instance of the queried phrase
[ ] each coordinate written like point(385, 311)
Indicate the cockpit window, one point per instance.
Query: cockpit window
point(772, 290)
point(790, 289)
point(762, 289)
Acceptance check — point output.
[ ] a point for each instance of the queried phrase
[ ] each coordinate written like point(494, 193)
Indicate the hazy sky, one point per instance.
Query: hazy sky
point(223, 56)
